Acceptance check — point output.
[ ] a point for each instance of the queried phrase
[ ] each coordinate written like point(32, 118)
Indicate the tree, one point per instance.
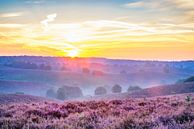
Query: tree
point(63, 68)
point(97, 73)
point(100, 91)
point(116, 89)
point(86, 70)
point(123, 72)
point(45, 67)
point(51, 93)
point(190, 79)
point(133, 88)
point(67, 92)
point(180, 81)
point(166, 69)
point(23, 65)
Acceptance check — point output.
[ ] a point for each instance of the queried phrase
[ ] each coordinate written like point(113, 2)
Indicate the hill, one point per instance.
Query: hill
point(17, 99)
point(190, 79)
point(32, 88)
point(165, 90)
point(93, 72)
point(154, 91)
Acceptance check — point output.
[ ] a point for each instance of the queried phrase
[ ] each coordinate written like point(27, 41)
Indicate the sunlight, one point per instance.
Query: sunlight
point(74, 37)
point(72, 53)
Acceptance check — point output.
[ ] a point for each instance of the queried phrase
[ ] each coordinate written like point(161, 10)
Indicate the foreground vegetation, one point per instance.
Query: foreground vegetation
point(159, 112)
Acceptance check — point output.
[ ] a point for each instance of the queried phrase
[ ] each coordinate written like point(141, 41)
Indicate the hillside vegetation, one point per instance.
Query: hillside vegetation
point(159, 112)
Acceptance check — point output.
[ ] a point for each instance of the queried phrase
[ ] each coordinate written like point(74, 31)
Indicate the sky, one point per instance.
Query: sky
point(118, 29)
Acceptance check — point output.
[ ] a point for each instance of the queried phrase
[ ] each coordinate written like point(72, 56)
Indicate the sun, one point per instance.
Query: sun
point(72, 53)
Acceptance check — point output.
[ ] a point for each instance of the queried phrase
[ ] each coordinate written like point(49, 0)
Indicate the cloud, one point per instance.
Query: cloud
point(106, 30)
point(180, 10)
point(184, 4)
point(98, 33)
point(50, 18)
point(156, 4)
point(11, 25)
point(12, 14)
point(35, 1)
point(147, 4)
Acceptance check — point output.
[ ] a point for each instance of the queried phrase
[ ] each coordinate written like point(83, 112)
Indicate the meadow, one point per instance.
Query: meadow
point(174, 111)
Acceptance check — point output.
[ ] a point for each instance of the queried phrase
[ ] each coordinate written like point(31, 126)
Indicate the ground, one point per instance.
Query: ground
point(175, 111)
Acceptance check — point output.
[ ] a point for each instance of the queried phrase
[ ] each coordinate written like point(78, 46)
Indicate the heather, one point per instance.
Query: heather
point(175, 111)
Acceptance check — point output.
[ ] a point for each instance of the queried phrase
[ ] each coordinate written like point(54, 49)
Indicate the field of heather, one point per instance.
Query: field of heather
point(158, 112)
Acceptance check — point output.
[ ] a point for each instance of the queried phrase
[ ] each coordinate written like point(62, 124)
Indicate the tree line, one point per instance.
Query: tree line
point(68, 92)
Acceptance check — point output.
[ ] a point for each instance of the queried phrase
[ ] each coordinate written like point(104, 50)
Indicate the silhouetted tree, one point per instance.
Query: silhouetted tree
point(22, 65)
point(86, 70)
point(45, 67)
point(166, 69)
point(97, 73)
point(190, 79)
point(100, 91)
point(123, 72)
point(67, 92)
point(180, 81)
point(63, 68)
point(51, 93)
point(20, 93)
point(116, 89)
point(133, 88)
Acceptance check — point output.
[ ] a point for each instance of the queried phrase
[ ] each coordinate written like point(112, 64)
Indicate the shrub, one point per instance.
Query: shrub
point(97, 73)
point(133, 88)
point(166, 69)
point(116, 89)
point(45, 67)
point(190, 79)
point(86, 70)
point(67, 92)
point(19, 93)
point(123, 72)
point(51, 93)
point(100, 91)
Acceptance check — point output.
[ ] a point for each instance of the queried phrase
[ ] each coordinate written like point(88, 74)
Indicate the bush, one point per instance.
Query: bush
point(67, 92)
point(97, 73)
point(51, 93)
point(123, 72)
point(19, 93)
point(190, 79)
point(45, 67)
point(86, 70)
point(63, 68)
point(100, 91)
point(23, 65)
point(180, 81)
point(133, 88)
point(166, 69)
point(116, 89)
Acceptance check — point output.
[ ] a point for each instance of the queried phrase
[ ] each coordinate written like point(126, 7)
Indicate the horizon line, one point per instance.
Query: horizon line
point(124, 59)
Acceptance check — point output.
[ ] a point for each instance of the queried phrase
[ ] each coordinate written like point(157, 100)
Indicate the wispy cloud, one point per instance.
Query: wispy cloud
point(182, 9)
point(11, 14)
point(11, 25)
point(50, 18)
point(184, 4)
point(35, 1)
point(147, 4)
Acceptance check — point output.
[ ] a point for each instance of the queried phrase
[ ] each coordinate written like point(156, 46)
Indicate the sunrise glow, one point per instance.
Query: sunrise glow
point(72, 53)
point(153, 30)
